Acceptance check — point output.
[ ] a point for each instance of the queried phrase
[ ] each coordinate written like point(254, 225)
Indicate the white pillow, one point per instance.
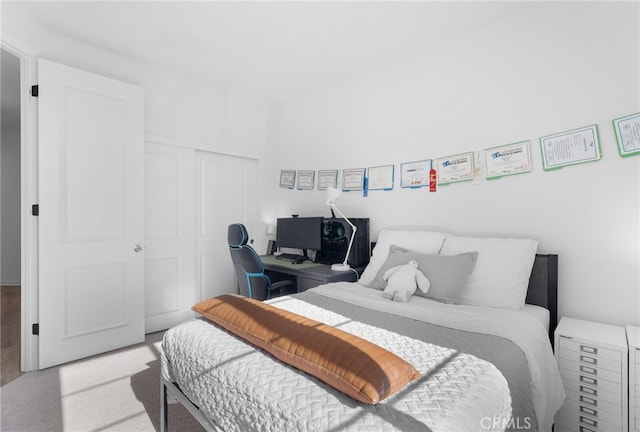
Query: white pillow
point(501, 275)
point(428, 242)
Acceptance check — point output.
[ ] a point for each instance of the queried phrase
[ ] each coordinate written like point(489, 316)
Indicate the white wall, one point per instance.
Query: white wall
point(10, 171)
point(179, 110)
point(10, 235)
point(556, 67)
point(188, 112)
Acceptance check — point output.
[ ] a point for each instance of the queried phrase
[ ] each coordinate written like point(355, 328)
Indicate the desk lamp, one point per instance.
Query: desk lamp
point(332, 196)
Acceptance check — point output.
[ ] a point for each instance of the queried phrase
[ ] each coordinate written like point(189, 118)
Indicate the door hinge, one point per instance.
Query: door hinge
point(35, 210)
point(35, 328)
point(34, 90)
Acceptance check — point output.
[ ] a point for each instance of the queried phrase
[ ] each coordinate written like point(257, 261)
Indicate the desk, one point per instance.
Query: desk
point(309, 274)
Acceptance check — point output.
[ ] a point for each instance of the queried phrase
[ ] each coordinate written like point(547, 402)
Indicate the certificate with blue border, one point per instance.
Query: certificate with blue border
point(415, 174)
point(380, 177)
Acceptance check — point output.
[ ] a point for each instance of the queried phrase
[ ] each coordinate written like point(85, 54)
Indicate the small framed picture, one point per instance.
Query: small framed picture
point(628, 134)
point(455, 168)
point(381, 177)
point(507, 160)
point(306, 179)
point(327, 178)
point(570, 148)
point(287, 179)
point(415, 174)
point(352, 179)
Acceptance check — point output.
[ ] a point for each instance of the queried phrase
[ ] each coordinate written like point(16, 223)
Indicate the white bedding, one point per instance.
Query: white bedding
point(243, 389)
point(538, 313)
point(526, 329)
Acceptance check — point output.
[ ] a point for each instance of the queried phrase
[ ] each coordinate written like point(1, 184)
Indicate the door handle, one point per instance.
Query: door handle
point(137, 248)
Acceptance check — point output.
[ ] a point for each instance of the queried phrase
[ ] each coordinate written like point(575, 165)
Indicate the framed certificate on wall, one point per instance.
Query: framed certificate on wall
point(415, 174)
point(628, 134)
point(327, 178)
point(287, 178)
point(507, 160)
point(380, 178)
point(306, 179)
point(352, 179)
point(455, 168)
point(570, 148)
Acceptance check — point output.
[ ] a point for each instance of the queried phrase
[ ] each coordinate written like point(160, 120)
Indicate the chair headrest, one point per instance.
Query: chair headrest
point(237, 235)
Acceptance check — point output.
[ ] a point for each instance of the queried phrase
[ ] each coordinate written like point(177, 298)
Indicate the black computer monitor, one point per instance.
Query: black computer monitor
point(299, 233)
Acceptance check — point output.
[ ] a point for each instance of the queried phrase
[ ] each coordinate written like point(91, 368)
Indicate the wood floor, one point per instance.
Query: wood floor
point(9, 333)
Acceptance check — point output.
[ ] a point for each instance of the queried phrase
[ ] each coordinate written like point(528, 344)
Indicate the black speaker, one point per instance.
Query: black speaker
point(336, 234)
point(271, 247)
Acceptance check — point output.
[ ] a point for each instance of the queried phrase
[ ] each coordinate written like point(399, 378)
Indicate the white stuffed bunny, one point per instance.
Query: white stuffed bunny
point(402, 281)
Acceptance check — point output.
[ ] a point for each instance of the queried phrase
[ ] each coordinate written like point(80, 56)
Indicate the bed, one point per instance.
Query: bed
point(479, 338)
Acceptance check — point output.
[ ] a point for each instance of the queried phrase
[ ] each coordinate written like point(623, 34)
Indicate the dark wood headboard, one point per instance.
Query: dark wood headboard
point(543, 287)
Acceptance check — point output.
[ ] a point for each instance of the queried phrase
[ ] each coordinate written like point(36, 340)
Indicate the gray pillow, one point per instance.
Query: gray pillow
point(446, 273)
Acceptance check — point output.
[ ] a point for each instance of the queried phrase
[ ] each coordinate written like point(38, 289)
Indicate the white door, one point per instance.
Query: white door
point(91, 185)
point(169, 235)
point(227, 192)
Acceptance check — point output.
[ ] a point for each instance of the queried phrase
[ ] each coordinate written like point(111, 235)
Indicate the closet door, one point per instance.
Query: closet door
point(169, 235)
point(91, 223)
point(226, 188)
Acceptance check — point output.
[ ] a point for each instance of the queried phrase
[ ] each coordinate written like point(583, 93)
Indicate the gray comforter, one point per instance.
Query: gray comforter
point(504, 354)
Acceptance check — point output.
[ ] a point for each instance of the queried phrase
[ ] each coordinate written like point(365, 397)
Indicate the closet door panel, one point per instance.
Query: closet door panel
point(170, 289)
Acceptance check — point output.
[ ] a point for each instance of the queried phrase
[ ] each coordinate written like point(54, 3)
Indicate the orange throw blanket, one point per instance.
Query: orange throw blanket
point(361, 369)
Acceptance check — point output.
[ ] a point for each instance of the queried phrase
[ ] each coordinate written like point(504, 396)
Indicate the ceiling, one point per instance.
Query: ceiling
point(278, 51)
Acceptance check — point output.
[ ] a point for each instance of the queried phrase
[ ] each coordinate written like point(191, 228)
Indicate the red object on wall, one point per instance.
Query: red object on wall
point(432, 180)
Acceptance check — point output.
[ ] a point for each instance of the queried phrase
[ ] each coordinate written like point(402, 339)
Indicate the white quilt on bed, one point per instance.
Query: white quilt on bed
point(519, 326)
point(242, 389)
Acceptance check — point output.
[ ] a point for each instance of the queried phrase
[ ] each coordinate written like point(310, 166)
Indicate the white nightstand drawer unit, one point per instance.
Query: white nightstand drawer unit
point(592, 359)
point(633, 339)
point(611, 394)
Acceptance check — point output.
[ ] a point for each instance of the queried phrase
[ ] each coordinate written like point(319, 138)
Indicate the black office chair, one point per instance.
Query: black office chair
point(252, 280)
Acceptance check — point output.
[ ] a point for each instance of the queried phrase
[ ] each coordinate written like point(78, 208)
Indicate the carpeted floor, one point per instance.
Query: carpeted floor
point(115, 391)
point(9, 333)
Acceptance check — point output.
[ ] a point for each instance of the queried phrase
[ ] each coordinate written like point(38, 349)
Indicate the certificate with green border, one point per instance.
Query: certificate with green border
point(507, 160)
point(628, 134)
point(455, 168)
point(570, 148)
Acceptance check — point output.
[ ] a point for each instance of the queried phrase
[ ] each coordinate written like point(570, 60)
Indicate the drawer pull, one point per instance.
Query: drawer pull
point(588, 421)
point(588, 349)
point(587, 359)
point(589, 400)
point(588, 390)
point(589, 411)
point(589, 370)
point(588, 380)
